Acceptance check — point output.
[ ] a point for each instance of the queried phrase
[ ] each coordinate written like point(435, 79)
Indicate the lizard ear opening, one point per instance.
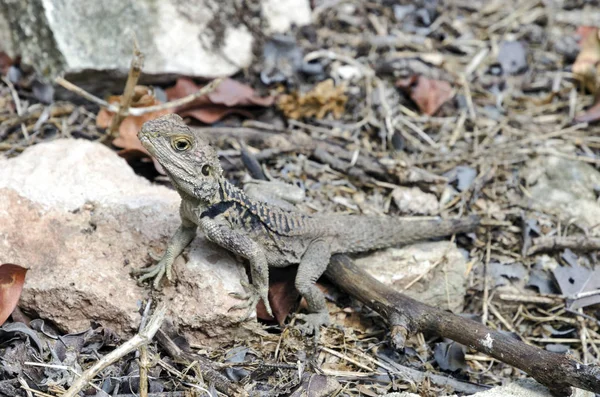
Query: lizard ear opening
point(205, 170)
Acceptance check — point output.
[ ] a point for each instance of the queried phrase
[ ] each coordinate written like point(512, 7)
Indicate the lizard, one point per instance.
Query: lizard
point(264, 234)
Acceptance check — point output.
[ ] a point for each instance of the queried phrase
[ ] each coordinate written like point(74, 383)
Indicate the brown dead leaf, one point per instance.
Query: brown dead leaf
point(229, 97)
point(283, 295)
point(429, 95)
point(5, 62)
point(127, 139)
point(319, 101)
point(587, 62)
point(12, 278)
point(590, 115)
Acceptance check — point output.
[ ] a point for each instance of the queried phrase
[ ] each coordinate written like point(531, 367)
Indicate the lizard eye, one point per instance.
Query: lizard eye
point(205, 170)
point(181, 144)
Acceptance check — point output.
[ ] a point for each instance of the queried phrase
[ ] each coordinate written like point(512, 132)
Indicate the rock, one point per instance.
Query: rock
point(443, 286)
point(200, 39)
point(80, 219)
point(565, 188)
point(412, 200)
point(282, 14)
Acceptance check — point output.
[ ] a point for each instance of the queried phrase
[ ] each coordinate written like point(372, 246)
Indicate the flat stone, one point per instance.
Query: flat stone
point(440, 265)
point(282, 14)
point(202, 38)
point(79, 218)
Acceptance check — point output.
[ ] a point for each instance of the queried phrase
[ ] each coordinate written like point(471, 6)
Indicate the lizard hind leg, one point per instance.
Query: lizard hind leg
point(313, 264)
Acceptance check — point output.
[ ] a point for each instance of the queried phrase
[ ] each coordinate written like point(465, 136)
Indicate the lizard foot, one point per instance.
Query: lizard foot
point(157, 272)
point(252, 296)
point(312, 322)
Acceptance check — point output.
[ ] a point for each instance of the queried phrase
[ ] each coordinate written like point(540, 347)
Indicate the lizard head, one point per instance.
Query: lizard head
point(190, 162)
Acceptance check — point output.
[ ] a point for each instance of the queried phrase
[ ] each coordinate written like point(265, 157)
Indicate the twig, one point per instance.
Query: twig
point(555, 243)
point(346, 358)
point(139, 111)
point(422, 134)
point(60, 367)
point(486, 283)
point(162, 394)
point(143, 362)
point(210, 87)
point(25, 386)
point(387, 113)
point(83, 93)
point(583, 338)
point(17, 101)
point(546, 300)
point(138, 340)
point(135, 70)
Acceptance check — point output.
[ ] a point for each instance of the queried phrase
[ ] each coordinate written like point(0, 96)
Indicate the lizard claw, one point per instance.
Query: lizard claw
point(312, 322)
point(252, 296)
point(157, 272)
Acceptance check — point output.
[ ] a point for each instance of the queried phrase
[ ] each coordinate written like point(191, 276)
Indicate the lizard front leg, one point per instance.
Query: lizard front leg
point(244, 246)
point(181, 239)
point(312, 265)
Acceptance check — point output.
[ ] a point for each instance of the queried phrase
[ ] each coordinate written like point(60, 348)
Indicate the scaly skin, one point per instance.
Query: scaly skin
point(264, 234)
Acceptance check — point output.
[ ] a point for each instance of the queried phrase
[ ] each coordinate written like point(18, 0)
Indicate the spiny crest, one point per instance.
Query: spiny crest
point(276, 219)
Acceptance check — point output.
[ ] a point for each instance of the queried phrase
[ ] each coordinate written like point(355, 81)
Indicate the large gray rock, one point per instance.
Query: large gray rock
point(203, 38)
point(80, 219)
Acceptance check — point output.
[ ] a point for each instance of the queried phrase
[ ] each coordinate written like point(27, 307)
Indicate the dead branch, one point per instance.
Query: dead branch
point(556, 243)
point(135, 70)
point(407, 316)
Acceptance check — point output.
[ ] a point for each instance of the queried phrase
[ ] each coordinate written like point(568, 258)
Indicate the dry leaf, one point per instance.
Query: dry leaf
point(127, 139)
point(5, 63)
point(12, 278)
point(590, 115)
point(429, 95)
point(229, 97)
point(283, 295)
point(586, 64)
point(319, 101)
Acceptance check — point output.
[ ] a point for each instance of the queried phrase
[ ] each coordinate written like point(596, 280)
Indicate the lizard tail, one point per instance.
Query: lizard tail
point(365, 233)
